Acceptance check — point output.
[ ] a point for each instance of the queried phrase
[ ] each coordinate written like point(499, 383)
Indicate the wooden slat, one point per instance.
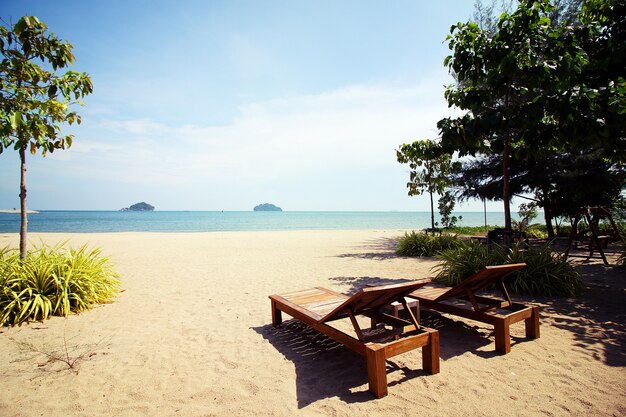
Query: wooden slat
point(370, 298)
point(482, 279)
point(429, 292)
point(315, 302)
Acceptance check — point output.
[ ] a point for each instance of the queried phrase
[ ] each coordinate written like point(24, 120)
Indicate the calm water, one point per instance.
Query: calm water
point(209, 221)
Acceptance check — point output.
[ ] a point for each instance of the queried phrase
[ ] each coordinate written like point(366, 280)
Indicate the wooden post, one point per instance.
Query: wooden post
point(430, 353)
point(376, 370)
point(532, 324)
point(503, 339)
point(277, 318)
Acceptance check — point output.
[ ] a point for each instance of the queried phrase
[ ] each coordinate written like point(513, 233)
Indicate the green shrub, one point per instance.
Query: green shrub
point(422, 244)
point(472, 230)
point(545, 274)
point(53, 281)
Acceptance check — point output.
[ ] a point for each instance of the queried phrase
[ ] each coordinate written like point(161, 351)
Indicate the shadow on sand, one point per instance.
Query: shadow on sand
point(324, 368)
point(597, 319)
point(375, 249)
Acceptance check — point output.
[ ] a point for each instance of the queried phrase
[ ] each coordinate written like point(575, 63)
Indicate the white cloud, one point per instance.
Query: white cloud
point(346, 138)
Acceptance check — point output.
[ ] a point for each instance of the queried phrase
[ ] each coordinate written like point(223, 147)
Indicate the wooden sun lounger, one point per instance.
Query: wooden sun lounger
point(317, 307)
point(499, 312)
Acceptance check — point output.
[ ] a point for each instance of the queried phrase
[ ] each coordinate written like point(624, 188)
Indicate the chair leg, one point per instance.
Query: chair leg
point(430, 353)
point(503, 339)
point(277, 318)
point(532, 324)
point(376, 371)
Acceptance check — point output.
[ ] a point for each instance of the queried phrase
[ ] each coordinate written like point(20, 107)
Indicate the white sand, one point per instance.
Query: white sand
point(191, 336)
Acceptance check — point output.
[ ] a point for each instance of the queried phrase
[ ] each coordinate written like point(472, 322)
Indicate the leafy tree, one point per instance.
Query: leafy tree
point(504, 80)
point(434, 177)
point(35, 99)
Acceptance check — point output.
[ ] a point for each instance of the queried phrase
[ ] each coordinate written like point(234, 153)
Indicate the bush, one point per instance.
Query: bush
point(53, 281)
point(537, 230)
point(546, 273)
point(472, 230)
point(421, 244)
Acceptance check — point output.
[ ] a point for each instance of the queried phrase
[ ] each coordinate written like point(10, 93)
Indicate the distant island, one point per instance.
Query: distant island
point(139, 207)
point(267, 207)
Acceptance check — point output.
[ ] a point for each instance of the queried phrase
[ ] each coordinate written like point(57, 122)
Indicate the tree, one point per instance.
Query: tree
point(504, 80)
point(35, 99)
point(435, 175)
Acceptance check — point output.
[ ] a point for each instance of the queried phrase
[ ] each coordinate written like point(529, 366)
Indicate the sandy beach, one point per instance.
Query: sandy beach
point(191, 335)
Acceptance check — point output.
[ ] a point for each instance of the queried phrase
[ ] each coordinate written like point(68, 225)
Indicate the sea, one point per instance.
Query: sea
point(215, 221)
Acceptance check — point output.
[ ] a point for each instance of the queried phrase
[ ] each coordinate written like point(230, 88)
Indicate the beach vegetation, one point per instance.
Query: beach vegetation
point(53, 281)
point(37, 97)
point(546, 273)
point(446, 205)
point(423, 244)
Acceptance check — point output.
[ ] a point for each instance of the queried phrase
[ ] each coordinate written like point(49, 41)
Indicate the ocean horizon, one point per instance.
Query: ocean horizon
point(103, 221)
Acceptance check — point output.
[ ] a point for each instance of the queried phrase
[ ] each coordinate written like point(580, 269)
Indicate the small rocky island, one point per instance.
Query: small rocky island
point(267, 207)
point(139, 207)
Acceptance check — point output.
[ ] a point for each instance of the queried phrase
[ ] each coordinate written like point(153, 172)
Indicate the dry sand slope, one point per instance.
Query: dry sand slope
point(190, 336)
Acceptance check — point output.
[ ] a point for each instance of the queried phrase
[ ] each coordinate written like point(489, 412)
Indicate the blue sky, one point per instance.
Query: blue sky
point(222, 105)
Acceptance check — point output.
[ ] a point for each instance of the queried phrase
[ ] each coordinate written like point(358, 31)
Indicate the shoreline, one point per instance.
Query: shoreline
point(191, 335)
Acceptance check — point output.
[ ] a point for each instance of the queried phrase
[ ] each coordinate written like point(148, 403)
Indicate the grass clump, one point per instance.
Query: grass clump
point(422, 244)
point(546, 273)
point(53, 281)
point(472, 230)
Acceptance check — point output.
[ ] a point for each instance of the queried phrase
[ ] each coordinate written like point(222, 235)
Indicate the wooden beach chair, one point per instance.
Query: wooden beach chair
point(317, 307)
point(462, 300)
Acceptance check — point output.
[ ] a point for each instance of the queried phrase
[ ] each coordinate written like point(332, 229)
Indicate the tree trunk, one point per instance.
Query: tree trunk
point(548, 218)
point(23, 211)
point(432, 213)
point(506, 191)
point(506, 194)
point(547, 215)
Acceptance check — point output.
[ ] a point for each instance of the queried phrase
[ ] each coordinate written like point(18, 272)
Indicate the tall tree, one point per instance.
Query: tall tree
point(35, 98)
point(435, 173)
point(502, 80)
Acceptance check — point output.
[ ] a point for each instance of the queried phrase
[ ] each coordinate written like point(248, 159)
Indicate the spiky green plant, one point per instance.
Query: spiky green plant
point(422, 244)
point(546, 273)
point(53, 280)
